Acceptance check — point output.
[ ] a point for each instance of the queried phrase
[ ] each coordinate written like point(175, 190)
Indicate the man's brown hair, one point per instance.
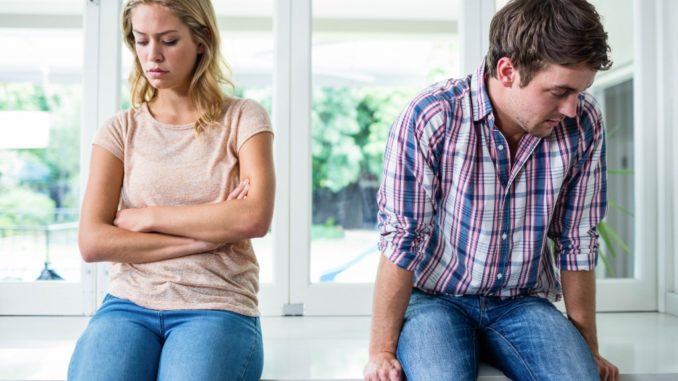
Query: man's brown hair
point(534, 33)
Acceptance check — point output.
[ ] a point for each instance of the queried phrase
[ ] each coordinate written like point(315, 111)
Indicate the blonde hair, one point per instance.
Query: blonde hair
point(204, 89)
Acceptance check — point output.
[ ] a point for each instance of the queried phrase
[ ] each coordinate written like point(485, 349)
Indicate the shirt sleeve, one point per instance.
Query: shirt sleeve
point(110, 137)
point(406, 202)
point(582, 203)
point(252, 119)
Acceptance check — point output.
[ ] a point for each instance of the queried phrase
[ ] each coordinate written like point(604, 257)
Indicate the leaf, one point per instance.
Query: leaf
point(604, 231)
point(621, 208)
point(608, 269)
point(614, 237)
point(622, 172)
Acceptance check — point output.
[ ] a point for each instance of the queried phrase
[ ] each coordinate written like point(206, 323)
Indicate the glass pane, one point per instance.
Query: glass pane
point(614, 91)
point(40, 106)
point(499, 4)
point(247, 46)
point(365, 70)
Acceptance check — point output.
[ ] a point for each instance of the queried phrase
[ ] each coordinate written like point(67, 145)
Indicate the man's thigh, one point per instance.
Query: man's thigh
point(437, 341)
point(532, 340)
point(211, 345)
point(117, 344)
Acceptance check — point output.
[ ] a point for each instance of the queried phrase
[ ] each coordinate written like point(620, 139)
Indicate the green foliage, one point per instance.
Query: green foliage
point(377, 111)
point(23, 206)
point(328, 230)
point(613, 242)
point(61, 157)
point(22, 96)
point(336, 157)
point(350, 129)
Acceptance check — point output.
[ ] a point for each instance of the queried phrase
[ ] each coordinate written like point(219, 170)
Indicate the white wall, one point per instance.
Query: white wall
point(672, 119)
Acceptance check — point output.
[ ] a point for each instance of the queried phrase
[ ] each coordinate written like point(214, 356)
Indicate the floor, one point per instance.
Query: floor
point(643, 345)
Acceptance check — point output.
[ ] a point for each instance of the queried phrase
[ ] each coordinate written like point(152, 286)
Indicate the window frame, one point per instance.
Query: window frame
point(292, 28)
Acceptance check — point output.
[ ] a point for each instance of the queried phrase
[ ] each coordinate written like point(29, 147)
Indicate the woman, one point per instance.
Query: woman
point(178, 185)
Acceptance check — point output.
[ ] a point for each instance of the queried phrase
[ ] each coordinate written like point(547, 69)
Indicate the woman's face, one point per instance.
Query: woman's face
point(164, 47)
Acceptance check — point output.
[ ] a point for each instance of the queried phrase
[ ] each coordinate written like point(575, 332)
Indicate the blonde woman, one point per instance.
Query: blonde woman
point(178, 185)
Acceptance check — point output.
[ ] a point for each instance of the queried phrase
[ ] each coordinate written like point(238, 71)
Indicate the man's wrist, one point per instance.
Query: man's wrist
point(375, 354)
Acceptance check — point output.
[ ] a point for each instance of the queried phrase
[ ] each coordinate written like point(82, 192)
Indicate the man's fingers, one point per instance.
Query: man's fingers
point(394, 375)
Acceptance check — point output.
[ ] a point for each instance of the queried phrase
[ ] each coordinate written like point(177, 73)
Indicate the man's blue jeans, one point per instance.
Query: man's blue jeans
point(124, 341)
point(443, 338)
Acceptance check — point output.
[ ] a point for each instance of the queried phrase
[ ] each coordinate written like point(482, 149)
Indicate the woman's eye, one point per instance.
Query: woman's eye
point(170, 43)
point(141, 42)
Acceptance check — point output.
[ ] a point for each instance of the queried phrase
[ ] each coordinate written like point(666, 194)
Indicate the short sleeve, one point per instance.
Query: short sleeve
point(252, 120)
point(110, 137)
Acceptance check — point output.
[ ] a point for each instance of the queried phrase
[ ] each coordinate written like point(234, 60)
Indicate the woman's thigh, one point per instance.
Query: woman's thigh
point(211, 345)
point(118, 344)
point(535, 341)
point(437, 341)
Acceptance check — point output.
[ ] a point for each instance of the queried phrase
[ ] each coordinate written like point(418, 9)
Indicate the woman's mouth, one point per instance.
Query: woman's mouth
point(156, 73)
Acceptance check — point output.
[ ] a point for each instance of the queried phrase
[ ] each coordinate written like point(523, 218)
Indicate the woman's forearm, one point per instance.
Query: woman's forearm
point(103, 242)
point(225, 222)
point(247, 212)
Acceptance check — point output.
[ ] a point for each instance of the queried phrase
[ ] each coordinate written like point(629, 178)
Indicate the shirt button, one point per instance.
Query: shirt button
point(499, 276)
point(500, 147)
point(503, 236)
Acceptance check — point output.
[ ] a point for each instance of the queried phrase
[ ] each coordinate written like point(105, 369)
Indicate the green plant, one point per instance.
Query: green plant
point(613, 241)
point(327, 230)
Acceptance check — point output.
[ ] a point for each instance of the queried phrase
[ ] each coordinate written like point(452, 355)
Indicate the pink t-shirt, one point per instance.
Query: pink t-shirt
point(167, 165)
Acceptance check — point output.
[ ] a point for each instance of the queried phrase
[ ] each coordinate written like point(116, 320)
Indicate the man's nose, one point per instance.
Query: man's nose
point(569, 105)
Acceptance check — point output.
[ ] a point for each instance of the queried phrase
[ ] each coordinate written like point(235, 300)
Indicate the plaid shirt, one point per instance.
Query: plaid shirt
point(466, 220)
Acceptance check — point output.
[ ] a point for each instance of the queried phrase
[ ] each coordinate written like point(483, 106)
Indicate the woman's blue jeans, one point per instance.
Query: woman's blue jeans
point(124, 341)
point(443, 338)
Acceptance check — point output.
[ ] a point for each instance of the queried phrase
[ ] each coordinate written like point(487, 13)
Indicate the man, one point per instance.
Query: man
point(478, 173)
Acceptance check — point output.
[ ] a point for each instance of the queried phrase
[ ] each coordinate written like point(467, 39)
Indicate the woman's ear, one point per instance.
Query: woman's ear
point(208, 37)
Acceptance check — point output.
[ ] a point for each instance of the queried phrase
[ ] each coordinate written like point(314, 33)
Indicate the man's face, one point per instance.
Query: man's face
point(548, 98)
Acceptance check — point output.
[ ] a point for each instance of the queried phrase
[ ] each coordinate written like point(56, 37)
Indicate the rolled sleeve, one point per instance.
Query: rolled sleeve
point(583, 200)
point(406, 207)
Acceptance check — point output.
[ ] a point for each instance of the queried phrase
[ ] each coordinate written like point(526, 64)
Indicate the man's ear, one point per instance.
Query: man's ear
point(507, 74)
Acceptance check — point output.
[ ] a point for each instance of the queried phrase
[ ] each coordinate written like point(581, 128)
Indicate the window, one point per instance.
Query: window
point(367, 62)
point(40, 108)
point(334, 75)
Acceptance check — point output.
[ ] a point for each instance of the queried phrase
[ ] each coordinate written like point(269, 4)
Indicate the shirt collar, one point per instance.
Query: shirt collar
point(480, 99)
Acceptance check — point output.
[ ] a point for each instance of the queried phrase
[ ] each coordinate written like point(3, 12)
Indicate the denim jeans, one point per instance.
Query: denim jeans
point(124, 341)
point(443, 338)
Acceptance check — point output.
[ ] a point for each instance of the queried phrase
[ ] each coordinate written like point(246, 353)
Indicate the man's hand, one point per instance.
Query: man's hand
point(382, 367)
point(607, 370)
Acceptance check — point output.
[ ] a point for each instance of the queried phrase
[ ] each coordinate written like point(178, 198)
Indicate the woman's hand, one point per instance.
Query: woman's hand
point(134, 219)
point(141, 219)
point(240, 192)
